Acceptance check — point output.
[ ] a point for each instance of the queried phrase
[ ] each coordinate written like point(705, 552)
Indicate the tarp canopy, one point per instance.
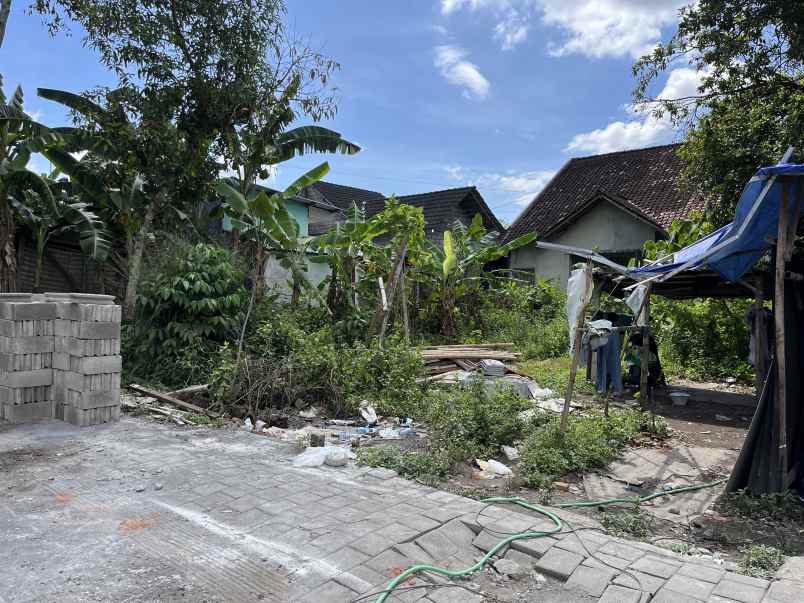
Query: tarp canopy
point(736, 247)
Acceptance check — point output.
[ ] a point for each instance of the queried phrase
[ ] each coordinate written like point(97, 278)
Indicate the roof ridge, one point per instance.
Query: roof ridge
point(440, 190)
point(625, 151)
point(357, 188)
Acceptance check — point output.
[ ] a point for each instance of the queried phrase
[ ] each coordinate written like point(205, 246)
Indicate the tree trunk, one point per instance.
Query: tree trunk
point(5, 10)
point(40, 256)
point(135, 260)
point(447, 312)
point(8, 248)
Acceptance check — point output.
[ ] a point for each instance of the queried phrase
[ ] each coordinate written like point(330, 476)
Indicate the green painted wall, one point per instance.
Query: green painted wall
point(299, 211)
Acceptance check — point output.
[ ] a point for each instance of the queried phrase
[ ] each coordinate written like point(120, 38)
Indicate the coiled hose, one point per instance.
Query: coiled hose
point(515, 500)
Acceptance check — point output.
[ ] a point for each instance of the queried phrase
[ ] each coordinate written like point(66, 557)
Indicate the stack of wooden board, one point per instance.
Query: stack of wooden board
point(445, 358)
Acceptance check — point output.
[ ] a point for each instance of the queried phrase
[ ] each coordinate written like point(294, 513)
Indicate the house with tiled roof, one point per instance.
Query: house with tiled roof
point(612, 203)
point(440, 208)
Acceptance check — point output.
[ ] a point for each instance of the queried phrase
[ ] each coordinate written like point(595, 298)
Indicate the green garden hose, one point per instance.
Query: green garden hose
point(415, 569)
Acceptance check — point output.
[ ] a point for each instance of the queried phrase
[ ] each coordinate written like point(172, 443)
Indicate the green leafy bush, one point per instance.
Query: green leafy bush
point(760, 561)
point(469, 421)
point(428, 466)
point(703, 339)
point(590, 442)
point(184, 313)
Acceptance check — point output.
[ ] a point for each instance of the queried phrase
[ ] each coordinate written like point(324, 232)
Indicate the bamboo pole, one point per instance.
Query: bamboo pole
point(403, 299)
point(577, 336)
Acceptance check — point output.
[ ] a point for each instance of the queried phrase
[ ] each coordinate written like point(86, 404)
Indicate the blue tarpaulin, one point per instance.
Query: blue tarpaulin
point(736, 247)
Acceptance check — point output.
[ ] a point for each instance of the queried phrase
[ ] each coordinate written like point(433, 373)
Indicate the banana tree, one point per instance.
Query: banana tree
point(347, 248)
point(464, 254)
point(264, 218)
point(18, 134)
point(104, 177)
point(47, 210)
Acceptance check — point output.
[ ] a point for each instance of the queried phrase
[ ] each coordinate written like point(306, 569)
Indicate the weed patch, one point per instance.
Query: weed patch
point(429, 467)
point(590, 442)
point(634, 523)
point(760, 561)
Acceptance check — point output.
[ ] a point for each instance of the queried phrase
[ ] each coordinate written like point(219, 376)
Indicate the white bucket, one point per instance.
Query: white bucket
point(679, 398)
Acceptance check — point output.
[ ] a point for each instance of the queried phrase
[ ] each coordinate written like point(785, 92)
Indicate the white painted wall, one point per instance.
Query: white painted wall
point(277, 277)
point(605, 227)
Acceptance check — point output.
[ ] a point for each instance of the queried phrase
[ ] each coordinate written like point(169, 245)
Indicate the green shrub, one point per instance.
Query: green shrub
point(634, 523)
point(590, 442)
point(760, 561)
point(184, 312)
point(429, 467)
point(469, 421)
point(703, 339)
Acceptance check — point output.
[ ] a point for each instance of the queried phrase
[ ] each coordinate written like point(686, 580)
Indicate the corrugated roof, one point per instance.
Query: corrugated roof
point(343, 196)
point(643, 181)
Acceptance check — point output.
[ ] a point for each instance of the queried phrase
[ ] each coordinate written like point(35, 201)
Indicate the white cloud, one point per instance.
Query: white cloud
point(450, 60)
point(512, 30)
point(521, 186)
point(645, 129)
point(594, 28)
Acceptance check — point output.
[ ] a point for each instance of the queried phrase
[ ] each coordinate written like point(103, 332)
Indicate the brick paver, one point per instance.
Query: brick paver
point(234, 520)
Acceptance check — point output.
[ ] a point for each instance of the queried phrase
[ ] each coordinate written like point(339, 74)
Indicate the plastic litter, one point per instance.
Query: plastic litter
point(407, 432)
point(389, 434)
point(248, 425)
point(492, 467)
point(259, 425)
point(511, 453)
point(310, 413)
point(331, 455)
point(368, 413)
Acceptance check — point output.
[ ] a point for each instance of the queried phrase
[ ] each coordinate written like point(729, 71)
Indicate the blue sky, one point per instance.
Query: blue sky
point(441, 93)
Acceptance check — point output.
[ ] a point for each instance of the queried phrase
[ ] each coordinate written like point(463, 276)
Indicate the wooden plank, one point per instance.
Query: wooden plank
point(171, 400)
point(193, 389)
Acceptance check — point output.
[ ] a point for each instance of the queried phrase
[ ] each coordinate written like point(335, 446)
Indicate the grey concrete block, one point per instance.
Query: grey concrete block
point(700, 572)
point(535, 547)
point(93, 416)
point(99, 330)
point(28, 311)
point(620, 594)
point(655, 566)
point(96, 399)
point(25, 362)
point(559, 563)
point(739, 591)
point(690, 587)
point(25, 395)
point(95, 365)
point(590, 580)
point(786, 591)
point(26, 345)
point(33, 378)
point(24, 413)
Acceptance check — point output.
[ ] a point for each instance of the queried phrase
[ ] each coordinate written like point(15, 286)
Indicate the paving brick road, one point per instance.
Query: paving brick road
point(139, 512)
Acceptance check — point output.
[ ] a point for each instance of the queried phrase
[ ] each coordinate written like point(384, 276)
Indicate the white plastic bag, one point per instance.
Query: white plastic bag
point(317, 456)
point(499, 468)
point(247, 425)
point(338, 457)
point(368, 413)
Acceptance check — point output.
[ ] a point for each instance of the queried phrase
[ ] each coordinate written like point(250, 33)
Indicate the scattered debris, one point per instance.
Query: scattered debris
point(248, 425)
point(310, 413)
point(492, 368)
point(723, 418)
point(510, 568)
point(189, 392)
point(469, 358)
point(158, 486)
point(171, 400)
point(368, 413)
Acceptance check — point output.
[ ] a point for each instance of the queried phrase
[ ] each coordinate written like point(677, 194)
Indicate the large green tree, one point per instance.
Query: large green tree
point(749, 106)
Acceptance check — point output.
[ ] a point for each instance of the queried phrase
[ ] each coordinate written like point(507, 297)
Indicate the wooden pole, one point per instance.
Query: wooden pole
point(577, 336)
point(760, 342)
point(780, 467)
point(644, 354)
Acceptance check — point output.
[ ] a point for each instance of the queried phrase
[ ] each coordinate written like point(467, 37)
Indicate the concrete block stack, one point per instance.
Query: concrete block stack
point(26, 354)
point(86, 359)
point(74, 373)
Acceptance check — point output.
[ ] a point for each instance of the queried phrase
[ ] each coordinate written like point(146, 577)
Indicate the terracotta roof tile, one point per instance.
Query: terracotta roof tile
point(643, 180)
